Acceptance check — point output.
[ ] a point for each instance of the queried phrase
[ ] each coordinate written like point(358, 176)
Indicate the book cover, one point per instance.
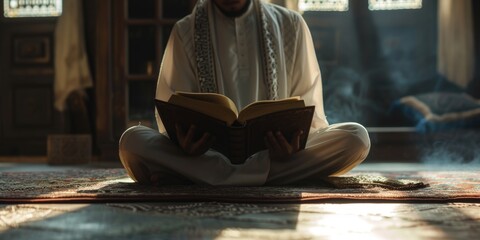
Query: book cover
point(237, 141)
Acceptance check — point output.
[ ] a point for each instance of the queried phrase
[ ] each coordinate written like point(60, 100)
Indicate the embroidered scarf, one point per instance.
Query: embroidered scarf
point(205, 54)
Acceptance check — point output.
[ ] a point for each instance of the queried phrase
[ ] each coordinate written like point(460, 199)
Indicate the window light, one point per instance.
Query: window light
point(323, 5)
point(394, 4)
point(32, 8)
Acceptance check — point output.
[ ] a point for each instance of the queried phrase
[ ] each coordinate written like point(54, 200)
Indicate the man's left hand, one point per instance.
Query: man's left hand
point(279, 148)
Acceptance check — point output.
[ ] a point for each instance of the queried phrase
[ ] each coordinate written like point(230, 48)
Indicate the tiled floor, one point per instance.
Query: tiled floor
point(215, 220)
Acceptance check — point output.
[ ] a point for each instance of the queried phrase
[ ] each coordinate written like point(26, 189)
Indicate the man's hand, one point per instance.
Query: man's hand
point(189, 145)
point(279, 148)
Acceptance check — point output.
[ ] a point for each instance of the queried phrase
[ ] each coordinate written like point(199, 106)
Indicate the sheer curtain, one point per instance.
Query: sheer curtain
point(456, 48)
point(72, 72)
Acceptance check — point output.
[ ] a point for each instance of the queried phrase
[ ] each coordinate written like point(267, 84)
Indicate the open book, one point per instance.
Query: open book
point(239, 134)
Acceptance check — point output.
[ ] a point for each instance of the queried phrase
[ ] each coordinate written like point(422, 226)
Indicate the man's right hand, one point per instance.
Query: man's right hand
point(189, 145)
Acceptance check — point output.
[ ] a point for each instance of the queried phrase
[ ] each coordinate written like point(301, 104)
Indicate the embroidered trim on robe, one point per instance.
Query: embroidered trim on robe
point(204, 50)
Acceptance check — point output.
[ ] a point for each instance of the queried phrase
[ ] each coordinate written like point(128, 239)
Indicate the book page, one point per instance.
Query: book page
point(212, 109)
point(264, 107)
point(212, 98)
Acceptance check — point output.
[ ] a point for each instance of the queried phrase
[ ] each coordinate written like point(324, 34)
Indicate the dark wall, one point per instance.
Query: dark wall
point(474, 88)
point(90, 28)
point(26, 85)
point(369, 59)
point(89, 13)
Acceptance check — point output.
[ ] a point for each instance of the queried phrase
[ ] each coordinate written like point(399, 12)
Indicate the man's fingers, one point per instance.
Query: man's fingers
point(267, 143)
point(279, 148)
point(180, 133)
point(274, 146)
point(201, 142)
point(295, 143)
point(190, 133)
point(205, 138)
point(283, 143)
point(206, 144)
point(202, 145)
point(188, 143)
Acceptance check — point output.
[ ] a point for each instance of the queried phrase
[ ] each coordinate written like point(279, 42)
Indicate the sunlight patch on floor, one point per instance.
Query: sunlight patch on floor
point(14, 216)
point(355, 221)
point(468, 212)
point(358, 221)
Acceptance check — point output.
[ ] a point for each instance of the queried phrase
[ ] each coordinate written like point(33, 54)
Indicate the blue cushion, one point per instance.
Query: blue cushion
point(439, 111)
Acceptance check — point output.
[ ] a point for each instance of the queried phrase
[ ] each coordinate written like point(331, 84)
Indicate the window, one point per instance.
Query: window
point(32, 8)
point(394, 4)
point(323, 5)
point(342, 5)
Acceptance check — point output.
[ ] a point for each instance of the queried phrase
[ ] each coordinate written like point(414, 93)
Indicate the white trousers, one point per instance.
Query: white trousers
point(330, 151)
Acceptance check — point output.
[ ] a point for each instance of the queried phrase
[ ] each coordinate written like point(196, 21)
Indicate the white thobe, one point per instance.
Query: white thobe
point(238, 63)
point(330, 150)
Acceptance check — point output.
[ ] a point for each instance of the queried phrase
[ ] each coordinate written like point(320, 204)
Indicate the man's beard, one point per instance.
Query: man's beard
point(238, 13)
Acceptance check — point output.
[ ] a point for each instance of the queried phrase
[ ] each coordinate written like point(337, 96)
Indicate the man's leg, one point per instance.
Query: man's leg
point(145, 152)
point(139, 172)
point(331, 151)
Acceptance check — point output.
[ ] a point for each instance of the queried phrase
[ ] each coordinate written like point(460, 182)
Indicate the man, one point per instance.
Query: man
point(247, 50)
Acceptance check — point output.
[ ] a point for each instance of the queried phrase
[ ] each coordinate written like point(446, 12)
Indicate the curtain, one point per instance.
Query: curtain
point(456, 48)
point(72, 73)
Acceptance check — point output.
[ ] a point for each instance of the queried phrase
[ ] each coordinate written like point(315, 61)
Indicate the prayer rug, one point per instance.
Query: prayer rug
point(112, 185)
